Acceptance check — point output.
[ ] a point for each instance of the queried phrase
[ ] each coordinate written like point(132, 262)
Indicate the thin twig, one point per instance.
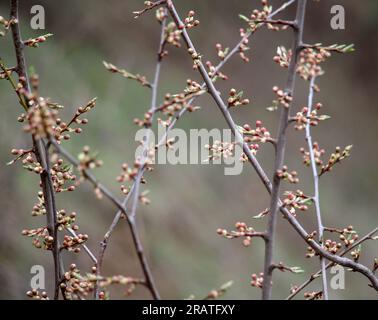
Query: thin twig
point(315, 175)
point(280, 152)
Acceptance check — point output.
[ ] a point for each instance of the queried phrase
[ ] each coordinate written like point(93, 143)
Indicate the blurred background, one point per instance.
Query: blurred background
point(189, 202)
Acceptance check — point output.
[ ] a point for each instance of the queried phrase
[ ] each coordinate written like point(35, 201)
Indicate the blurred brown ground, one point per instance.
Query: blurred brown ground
point(190, 202)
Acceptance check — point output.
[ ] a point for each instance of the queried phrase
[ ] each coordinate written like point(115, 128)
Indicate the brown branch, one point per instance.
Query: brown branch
point(41, 152)
point(280, 152)
point(259, 170)
point(329, 265)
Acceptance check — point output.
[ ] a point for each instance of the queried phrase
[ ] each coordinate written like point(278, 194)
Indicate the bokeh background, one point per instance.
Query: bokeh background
point(189, 202)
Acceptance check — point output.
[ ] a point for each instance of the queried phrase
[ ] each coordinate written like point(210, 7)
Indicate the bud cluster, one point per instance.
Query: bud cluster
point(302, 118)
point(283, 97)
point(314, 295)
point(173, 35)
point(72, 243)
point(312, 56)
point(259, 134)
point(257, 280)
point(36, 295)
point(236, 99)
point(257, 16)
point(283, 57)
point(318, 153)
point(243, 48)
point(61, 174)
point(6, 24)
point(220, 149)
point(284, 174)
point(176, 102)
point(41, 238)
point(347, 235)
point(222, 53)
point(189, 21)
point(20, 154)
point(77, 286)
point(88, 160)
point(62, 129)
point(214, 73)
point(128, 173)
point(30, 163)
point(65, 221)
point(242, 231)
point(335, 158)
point(296, 200)
point(196, 58)
point(39, 208)
point(41, 118)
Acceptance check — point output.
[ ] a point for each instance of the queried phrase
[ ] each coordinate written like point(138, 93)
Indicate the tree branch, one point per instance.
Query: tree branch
point(40, 151)
point(288, 23)
point(280, 152)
